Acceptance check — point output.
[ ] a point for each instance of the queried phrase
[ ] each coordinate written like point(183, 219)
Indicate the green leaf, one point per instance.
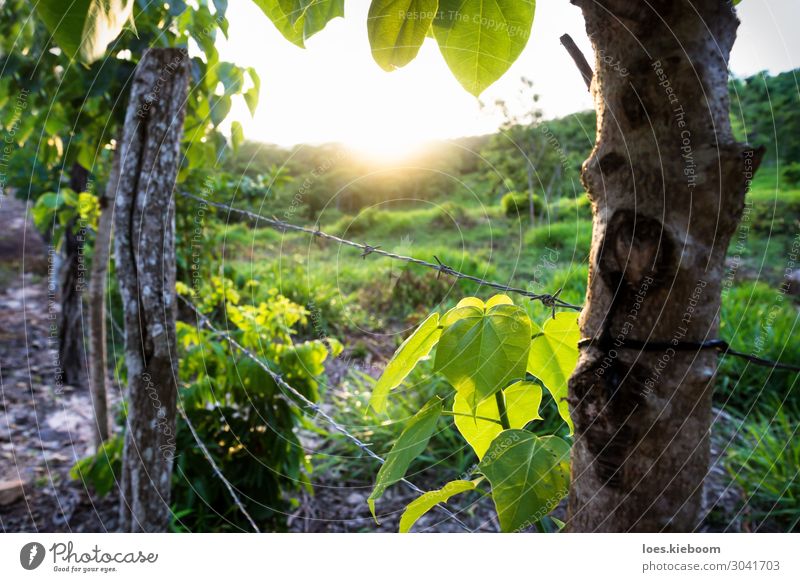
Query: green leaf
point(298, 20)
point(553, 357)
point(412, 442)
point(427, 501)
point(397, 29)
point(480, 39)
point(418, 345)
point(484, 351)
point(529, 476)
point(522, 406)
point(251, 95)
point(84, 28)
point(237, 135)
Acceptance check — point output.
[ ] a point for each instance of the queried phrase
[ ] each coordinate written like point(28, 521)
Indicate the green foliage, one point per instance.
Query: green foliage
point(765, 111)
point(529, 476)
point(418, 345)
point(54, 212)
point(522, 401)
point(571, 236)
point(84, 28)
point(427, 501)
point(409, 445)
point(103, 469)
point(298, 20)
point(246, 421)
point(553, 357)
point(515, 204)
point(483, 352)
point(758, 320)
point(480, 39)
point(397, 29)
point(764, 461)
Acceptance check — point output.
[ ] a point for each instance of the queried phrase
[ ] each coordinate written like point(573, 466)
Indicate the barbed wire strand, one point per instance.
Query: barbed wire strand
point(547, 299)
point(217, 470)
point(317, 410)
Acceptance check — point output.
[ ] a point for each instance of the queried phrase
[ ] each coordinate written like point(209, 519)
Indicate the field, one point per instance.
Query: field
point(372, 303)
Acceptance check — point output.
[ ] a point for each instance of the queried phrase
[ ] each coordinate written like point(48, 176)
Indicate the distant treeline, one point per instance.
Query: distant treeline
point(544, 157)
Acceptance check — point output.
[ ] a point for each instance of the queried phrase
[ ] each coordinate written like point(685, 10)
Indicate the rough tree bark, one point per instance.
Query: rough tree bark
point(70, 323)
point(97, 304)
point(144, 223)
point(667, 183)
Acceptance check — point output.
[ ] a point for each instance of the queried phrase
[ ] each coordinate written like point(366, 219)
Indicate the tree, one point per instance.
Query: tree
point(519, 137)
point(667, 182)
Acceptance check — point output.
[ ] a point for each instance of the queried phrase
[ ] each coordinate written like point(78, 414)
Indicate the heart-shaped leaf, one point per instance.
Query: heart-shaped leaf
point(483, 352)
point(554, 355)
point(529, 476)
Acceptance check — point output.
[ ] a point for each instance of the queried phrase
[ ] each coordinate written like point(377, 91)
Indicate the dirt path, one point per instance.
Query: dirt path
point(45, 426)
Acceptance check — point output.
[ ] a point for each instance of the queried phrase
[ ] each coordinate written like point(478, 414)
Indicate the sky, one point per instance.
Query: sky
point(333, 91)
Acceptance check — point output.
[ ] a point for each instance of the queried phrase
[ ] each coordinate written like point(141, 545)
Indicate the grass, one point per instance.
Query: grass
point(354, 297)
point(764, 462)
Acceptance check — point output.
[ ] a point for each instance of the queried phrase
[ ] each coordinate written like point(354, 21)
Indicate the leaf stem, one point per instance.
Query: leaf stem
point(449, 413)
point(501, 408)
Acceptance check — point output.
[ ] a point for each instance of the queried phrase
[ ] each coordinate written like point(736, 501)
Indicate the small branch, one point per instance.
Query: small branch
point(580, 60)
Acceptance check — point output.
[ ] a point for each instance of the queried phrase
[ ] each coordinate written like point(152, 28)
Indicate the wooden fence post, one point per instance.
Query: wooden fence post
point(144, 225)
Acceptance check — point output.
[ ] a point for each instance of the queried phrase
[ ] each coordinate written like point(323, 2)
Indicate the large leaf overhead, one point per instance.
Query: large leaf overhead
point(409, 445)
point(529, 476)
point(484, 351)
point(480, 39)
point(522, 406)
point(417, 346)
point(427, 501)
point(84, 28)
point(553, 357)
point(298, 20)
point(397, 28)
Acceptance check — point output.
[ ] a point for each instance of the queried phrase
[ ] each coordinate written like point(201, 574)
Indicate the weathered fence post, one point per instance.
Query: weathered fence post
point(97, 311)
point(144, 223)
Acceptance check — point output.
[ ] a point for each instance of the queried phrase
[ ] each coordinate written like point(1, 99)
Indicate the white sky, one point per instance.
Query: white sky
point(334, 91)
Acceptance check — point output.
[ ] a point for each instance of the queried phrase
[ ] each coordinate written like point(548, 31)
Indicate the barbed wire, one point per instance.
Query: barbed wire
point(311, 405)
point(548, 299)
point(217, 470)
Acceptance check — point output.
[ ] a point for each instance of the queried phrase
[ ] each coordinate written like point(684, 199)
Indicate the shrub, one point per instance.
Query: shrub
point(515, 204)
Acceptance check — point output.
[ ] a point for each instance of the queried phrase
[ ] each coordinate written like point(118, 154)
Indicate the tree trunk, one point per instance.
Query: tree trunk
point(97, 304)
point(144, 222)
point(667, 183)
point(70, 324)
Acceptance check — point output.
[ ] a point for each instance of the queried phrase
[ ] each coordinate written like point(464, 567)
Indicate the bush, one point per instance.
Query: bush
point(791, 174)
point(515, 204)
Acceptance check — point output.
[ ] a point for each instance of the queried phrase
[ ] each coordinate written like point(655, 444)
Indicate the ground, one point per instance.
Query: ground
point(44, 425)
